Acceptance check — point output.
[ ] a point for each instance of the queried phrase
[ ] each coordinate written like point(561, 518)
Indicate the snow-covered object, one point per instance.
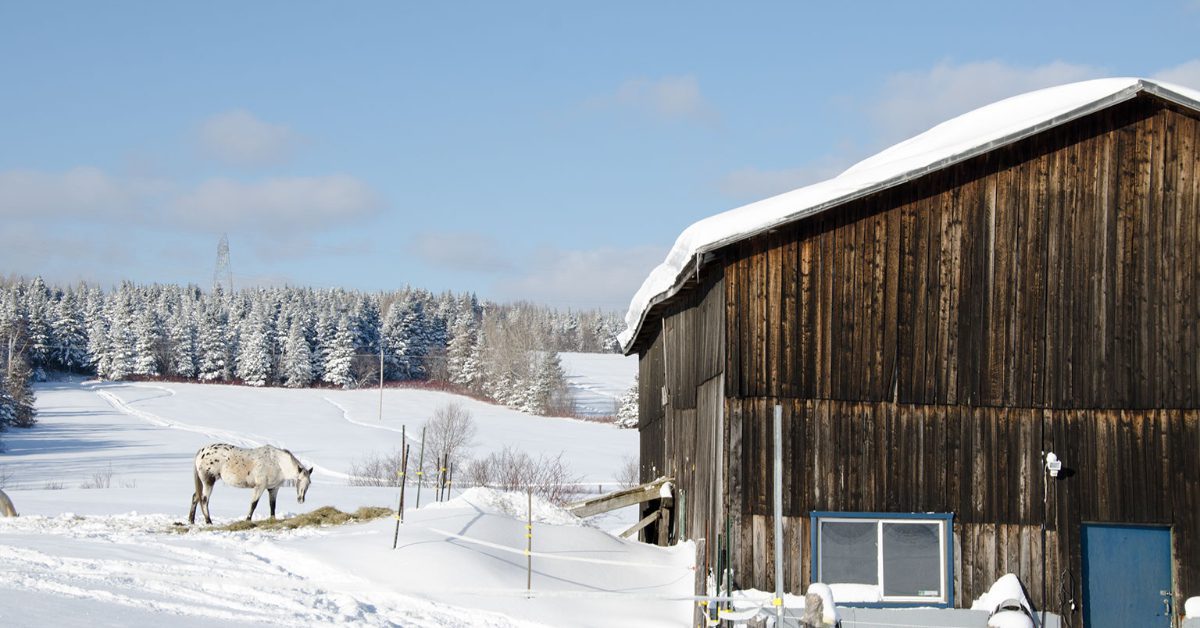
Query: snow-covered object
point(1007, 604)
point(951, 142)
point(848, 592)
point(829, 614)
point(1191, 608)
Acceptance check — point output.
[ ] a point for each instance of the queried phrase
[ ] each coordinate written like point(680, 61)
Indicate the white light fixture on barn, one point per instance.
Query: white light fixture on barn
point(1053, 464)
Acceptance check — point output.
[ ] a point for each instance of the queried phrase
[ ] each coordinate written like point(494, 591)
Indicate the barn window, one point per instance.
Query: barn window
point(893, 558)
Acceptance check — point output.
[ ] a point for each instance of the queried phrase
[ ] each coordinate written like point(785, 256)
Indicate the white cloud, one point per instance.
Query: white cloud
point(82, 192)
point(276, 204)
point(240, 138)
point(911, 102)
point(1186, 74)
point(461, 251)
point(604, 277)
point(671, 97)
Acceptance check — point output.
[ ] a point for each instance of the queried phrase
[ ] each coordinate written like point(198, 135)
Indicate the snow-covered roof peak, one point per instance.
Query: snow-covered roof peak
point(950, 142)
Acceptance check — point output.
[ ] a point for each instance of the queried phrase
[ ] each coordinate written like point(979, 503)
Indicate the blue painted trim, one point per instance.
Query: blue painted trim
point(948, 517)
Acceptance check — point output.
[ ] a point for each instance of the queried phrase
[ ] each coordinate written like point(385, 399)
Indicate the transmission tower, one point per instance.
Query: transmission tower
point(223, 274)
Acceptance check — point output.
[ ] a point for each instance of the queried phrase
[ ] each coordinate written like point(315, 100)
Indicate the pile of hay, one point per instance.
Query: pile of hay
point(323, 516)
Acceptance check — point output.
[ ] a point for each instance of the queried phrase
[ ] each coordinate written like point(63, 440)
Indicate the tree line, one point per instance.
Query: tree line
point(290, 336)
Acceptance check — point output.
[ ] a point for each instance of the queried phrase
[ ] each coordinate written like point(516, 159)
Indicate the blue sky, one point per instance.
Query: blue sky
point(542, 151)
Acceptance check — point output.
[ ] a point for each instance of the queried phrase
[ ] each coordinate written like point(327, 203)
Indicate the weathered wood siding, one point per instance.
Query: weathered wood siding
point(983, 465)
point(1060, 272)
point(681, 433)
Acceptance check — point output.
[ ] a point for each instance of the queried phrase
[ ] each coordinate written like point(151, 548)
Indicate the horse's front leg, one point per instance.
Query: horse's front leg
point(271, 496)
point(258, 491)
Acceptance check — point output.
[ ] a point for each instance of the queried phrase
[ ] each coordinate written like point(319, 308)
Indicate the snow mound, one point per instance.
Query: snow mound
point(1191, 608)
point(511, 504)
point(951, 142)
point(1007, 604)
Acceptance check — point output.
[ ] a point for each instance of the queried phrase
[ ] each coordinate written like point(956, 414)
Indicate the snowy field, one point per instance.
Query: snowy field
point(115, 556)
point(598, 380)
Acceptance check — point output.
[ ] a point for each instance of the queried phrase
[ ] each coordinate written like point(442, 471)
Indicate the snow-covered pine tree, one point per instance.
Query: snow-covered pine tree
point(546, 391)
point(627, 410)
point(21, 412)
point(70, 333)
point(213, 340)
point(38, 336)
point(95, 312)
point(181, 334)
point(147, 343)
point(339, 362)
point(296, 364)
point(254, 350)
point(121, 346)
point(463, 336)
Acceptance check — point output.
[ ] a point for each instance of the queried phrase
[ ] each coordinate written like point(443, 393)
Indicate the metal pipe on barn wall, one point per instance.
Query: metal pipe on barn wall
point(777, 489)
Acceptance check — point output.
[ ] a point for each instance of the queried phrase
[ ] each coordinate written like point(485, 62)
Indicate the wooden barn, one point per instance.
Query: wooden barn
point(1023, 279)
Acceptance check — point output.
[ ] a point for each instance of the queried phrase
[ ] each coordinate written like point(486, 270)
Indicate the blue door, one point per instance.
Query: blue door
point(1126, 576)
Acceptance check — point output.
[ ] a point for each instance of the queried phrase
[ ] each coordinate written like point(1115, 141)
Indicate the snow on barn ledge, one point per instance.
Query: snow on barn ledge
point(951, 142)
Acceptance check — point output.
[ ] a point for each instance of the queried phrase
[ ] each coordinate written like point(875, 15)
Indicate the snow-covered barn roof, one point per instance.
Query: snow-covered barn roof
point(948, 143)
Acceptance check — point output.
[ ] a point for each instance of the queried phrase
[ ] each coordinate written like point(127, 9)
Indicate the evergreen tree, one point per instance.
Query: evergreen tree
point(254, 350)
point(39, 340)
point(147, 342)
point(181, 333)
point(70, 333)
point(212, 337)
point(339, 363)
point(121, 347)
point(627, 410)
point(296, 367)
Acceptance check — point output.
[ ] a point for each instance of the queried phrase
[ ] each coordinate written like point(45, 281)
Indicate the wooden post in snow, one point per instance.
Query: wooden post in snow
point(420, 467)
point(403, 469)
point(529, 544)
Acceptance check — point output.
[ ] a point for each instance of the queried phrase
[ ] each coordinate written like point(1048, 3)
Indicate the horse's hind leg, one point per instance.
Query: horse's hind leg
point(271, 495)
point(205, 494)
point(258, 491)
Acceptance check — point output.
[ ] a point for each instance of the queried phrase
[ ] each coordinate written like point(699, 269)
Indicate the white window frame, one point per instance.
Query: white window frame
point(943, 524)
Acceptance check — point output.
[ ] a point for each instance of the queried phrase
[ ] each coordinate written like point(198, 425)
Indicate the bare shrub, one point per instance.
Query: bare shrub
point(5, 477)
point(514, 470)
point(128, 483)
point(377, 470)
point(628, 475)
point(448, 435)
point(100, 479)
point(53, 486)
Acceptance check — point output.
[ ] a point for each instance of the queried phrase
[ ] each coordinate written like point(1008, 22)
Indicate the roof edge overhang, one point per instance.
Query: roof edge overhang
point(1122, 95)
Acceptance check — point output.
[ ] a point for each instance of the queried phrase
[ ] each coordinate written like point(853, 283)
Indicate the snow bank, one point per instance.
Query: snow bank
point(948, 143)
point(510, 504)
point(1191, 608)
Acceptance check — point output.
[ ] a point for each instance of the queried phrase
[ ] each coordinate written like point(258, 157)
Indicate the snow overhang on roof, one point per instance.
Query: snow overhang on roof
point(948, 143)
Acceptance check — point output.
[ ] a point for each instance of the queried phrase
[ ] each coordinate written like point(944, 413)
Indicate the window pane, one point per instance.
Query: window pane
point(912, 560)
point(850, 552)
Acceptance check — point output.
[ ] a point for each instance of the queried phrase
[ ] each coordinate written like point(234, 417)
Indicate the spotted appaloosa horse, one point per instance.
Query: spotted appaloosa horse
point(261, 468)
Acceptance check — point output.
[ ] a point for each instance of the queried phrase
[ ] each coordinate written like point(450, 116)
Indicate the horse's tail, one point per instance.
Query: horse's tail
point(6, 506)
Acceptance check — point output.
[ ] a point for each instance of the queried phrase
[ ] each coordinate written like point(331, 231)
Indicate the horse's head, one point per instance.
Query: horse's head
point(302, 483)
